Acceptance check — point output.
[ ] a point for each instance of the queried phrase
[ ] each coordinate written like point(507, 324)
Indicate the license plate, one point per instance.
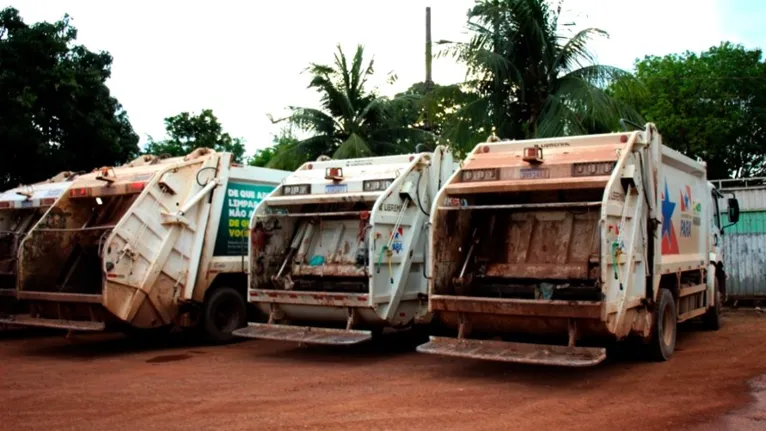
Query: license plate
point(535, 173)
point(336, 188)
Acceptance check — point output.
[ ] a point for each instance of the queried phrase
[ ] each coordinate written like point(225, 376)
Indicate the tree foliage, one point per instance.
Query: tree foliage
point(56, 112)
point(187, 131)
point(711, 105)
point(527, 78)
point(352, 122)
point(434, 110)
point(283, 143)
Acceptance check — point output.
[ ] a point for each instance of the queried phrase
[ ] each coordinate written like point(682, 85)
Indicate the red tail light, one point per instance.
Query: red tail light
point(137, 186)
point(333, 173)
point(78, 193)
point(5, 205)
point(47, 202)
point(533, 154)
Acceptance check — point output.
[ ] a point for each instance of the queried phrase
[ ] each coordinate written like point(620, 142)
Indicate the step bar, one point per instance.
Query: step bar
point(73, 325)
point(522, 353)
point(303, 334)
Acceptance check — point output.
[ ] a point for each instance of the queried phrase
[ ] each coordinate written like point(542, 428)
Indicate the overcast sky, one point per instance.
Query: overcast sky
point(244, 59)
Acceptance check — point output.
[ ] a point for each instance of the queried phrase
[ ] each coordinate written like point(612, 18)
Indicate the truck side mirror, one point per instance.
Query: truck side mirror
point(733, 210)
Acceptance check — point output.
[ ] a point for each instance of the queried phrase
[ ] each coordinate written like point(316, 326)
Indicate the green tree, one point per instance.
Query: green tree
point(187, 131)
point(284, 142)
point(352, 122)
point(711, 105)
point(437, 110)
point(529, 79)
point(56, 112)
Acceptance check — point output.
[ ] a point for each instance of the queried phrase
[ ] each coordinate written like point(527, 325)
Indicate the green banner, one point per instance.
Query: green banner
point(233, 231)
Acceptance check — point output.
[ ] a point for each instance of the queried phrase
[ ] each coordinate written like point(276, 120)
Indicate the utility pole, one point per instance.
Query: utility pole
point(429, 78)
point(429, 84)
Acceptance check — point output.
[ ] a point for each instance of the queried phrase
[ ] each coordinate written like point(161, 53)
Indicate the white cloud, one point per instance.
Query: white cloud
point(243, 59)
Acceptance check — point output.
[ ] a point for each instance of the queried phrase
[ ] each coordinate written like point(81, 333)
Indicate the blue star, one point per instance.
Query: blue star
point(667, 212)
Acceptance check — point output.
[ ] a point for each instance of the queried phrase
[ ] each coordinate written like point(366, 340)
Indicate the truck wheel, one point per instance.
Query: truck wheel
point(664, 329)
point(712, 318)
point(225, 310)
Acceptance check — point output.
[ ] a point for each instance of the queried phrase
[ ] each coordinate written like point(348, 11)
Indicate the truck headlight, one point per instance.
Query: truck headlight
point(296, 189)
point(592, 169)
point(377, 185)
point(481, 175)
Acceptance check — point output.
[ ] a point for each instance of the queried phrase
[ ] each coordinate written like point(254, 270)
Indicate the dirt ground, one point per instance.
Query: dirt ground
point(109, 382)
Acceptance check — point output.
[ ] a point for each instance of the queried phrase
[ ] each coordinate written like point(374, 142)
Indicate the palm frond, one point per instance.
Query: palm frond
point(313, 120)
point(600, 75)
point(334, 100)
point(294, 155)
point(341, 68)
point(558, 119)
point(353, 147)
point(575, 52)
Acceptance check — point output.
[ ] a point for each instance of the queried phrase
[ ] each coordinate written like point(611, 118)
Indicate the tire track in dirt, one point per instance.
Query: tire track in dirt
point(108, 382)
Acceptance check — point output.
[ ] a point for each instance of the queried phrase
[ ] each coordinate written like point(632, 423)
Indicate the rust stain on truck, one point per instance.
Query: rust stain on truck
point(144, 246)
point(561, 237)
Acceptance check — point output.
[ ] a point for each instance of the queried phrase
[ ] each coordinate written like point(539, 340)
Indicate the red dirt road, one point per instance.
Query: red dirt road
point(107, 382)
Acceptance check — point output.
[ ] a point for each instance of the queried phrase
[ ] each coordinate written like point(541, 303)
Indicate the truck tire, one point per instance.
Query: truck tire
point(712, 318)
point(664, 330)
point(224, 311)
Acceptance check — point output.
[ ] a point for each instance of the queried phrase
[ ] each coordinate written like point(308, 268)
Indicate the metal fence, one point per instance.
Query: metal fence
point(745, 243)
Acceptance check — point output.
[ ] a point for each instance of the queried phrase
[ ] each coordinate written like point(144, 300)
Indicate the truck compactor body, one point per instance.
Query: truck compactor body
point(20, 209)
point(157, 244)
point(338, 252)
point(578, 241)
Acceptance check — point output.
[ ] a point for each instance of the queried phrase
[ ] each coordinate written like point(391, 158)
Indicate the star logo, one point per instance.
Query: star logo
point(686, 199)
point(669, 241)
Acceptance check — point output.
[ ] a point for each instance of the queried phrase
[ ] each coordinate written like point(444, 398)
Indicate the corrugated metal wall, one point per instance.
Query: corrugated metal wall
point(745, 243)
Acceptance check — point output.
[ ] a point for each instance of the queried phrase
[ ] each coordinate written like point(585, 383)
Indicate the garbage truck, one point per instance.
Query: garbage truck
point(548, 251)
point(338, 251)
point(160, 244)
point(20, 209)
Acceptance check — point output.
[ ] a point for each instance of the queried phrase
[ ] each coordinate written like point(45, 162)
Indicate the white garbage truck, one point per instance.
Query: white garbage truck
point(578, 242)
point(20, 209)
point(157, 244)
point(338, 251)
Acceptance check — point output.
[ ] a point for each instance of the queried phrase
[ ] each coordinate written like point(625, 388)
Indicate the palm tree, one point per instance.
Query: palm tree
point(528, 79)
point(352, 121)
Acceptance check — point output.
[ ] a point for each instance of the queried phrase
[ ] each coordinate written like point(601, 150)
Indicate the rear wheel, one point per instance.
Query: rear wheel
point(224, 311)
point(712, 318)
point(663, 341)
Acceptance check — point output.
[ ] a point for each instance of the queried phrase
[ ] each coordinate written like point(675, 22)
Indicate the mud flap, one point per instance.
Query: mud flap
point(524, 353)
point(73, 325)
point(303, 334)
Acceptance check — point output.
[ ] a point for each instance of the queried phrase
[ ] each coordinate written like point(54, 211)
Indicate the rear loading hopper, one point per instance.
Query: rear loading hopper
point(144, 246)
point(20, 209)
point(339, 250)
point(561, 241)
